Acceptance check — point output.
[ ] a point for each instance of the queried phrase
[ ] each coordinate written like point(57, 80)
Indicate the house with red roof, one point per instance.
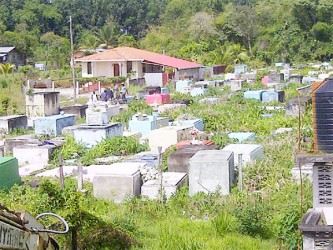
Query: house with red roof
point(136, 63)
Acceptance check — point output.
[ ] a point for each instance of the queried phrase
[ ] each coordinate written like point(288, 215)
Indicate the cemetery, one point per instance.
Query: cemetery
point(219, 152)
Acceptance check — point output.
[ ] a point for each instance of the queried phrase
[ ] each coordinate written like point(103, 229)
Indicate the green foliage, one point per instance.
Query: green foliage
point(133, 108)
point(225, 223)
point(118, 146)
point(253, 215)
point(69, 150)
point(5, 104)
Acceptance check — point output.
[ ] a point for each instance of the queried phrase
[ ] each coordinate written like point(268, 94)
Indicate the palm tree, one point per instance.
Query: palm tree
point(107, 37)
point(6, 68)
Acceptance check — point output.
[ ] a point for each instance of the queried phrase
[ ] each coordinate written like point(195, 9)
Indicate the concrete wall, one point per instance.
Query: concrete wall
point(42, 104)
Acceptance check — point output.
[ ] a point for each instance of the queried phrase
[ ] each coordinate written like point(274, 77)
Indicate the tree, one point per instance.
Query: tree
point(322, 31)
point(6, 68)
point(201, 26)
point(107, 36)
point(56, 50)
point(243, 21)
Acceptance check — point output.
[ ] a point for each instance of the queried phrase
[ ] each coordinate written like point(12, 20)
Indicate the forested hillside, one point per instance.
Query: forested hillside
point(207, 31)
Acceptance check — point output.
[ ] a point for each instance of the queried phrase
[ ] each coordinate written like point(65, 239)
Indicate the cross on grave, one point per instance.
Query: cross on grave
point(80, 173)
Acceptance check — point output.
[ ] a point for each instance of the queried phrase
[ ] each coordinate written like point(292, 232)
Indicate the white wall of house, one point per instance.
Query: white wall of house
point(101, 69)
point(137, 67)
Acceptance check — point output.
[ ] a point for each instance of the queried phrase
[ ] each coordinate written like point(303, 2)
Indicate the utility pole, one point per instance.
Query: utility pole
point(72, 58)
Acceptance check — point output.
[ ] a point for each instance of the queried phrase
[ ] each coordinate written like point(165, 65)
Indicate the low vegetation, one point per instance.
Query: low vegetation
point(263, 215)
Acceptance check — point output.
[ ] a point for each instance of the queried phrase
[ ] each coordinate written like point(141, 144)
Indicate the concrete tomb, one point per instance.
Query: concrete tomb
point(42, 104)
point(33, 154)
point(12, 122)
point(249, 152)
point(196, 123)
point(211, 171)
point(149, 158)
point(117, 182)
point(168, 136)
point(178, 161)
point(53, 125)
point(254, 94)
point(292, 107)
point(145, 124)
point(90, 135)
point(270, 96)
point(180, 85)
point(9, 172)
point(170, 183)
point(236, 85)
point(79, 110)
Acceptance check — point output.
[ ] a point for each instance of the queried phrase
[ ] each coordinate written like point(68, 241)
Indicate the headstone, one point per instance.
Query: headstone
point(90, 135)
point(42, 104)
point(170, 183)
point(117, 183)
point(53, 125)
point(178, 161)
point(168, 136)
point(12, 122)
point(249, 152)
point(211, 171)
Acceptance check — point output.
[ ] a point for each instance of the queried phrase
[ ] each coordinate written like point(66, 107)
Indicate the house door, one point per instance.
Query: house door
point(115, 69)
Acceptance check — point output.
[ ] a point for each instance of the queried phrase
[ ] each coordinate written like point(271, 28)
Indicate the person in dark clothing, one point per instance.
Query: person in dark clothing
point(109, 94)
point(104, 96)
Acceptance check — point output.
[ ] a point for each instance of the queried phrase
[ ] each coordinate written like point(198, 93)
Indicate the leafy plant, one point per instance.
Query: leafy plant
point(118, 145)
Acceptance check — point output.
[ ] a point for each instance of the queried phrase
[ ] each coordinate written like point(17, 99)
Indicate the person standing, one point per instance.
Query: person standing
point(116, 91)
point(104, 96)
point(109, 94)
point(123, 91)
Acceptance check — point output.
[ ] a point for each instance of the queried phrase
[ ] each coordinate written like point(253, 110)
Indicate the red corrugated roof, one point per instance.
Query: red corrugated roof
point(133, 54)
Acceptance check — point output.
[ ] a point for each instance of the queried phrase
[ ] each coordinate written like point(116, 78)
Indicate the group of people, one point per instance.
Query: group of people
point(112, 94)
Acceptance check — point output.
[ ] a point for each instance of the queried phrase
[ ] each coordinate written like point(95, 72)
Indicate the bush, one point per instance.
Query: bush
point(118, 146)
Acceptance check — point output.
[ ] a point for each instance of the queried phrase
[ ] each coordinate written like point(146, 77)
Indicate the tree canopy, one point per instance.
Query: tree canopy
point(265, 30)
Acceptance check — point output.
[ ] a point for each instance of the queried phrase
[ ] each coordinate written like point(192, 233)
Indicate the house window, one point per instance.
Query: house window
point(144, 68)
point(89, 68)
point(129, 67)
